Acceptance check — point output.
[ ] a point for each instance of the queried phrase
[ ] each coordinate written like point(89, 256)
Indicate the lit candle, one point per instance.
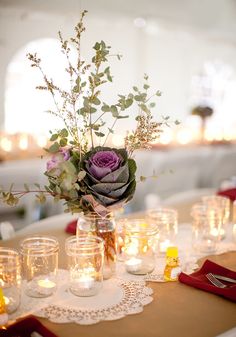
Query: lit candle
point(164, 245)
point(6, 300)
point(46, 286)
point(133, 264)
point(217, 232)
point(86, 282)
point(84, 278)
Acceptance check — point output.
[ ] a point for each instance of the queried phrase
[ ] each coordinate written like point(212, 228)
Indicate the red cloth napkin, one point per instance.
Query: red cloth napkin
point(25, 327)
point(230, 193)
point(71, 227)
point(199, 280)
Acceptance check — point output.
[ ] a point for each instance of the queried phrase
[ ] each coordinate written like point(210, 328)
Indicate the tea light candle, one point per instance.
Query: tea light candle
point(133, 264)
point(46, 286)
point(86, 282)
point(164, 245)
point(6, 300)
point(217, 232)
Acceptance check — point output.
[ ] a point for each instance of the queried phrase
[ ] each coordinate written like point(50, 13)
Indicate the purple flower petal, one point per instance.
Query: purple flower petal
point(103, 162)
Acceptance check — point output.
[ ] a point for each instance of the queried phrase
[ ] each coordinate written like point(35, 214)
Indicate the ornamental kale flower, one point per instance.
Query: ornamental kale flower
point(104, 162)
point(110, 176)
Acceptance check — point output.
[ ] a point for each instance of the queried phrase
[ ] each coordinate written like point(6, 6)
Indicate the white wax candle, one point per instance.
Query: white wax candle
point(217, 232)
point(46, 283)
point(133, 264)
point(6, 300)
point(86, 282)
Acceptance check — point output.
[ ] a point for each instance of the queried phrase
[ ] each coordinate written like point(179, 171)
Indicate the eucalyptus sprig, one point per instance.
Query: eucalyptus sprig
point(83, 112)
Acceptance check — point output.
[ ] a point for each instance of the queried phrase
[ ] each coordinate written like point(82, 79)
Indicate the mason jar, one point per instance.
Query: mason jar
point(85, 255)
point(166, 220)
point(105, 228)
point(40, 264)
point(10, 278)
point(139, 248)
point(206, 228)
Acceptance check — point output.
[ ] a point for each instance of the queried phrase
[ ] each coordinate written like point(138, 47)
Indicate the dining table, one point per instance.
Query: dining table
point(177, 310)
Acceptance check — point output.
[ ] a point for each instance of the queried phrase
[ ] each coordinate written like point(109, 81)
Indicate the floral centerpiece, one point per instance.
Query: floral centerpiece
point(83, 170)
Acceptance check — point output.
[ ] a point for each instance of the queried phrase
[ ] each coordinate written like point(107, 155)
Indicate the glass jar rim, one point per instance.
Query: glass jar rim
point(9, 255)
point(216, 198)
point(162, 212)
point(94, 215)
point(140, 227)
point(87, 244)
point(202, 209)
point(38, 245)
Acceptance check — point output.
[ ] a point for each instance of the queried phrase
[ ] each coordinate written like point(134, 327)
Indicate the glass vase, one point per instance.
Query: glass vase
point(105, 228)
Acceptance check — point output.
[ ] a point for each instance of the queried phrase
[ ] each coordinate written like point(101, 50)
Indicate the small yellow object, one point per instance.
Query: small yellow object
point(172, 268)
point(172, 252)
point(2, 303)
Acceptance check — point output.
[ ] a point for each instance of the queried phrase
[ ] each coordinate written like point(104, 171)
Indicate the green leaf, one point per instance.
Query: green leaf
point(158, 93)
point(96, 46)
point(120, 117)
point(92, 110)
point(77, 186)
point(54, 148)
point(99, 134)
point(135, 88)
point(152, 105)
point(54, 137)
point(105, 108)
point(37, 185)
point(95, 101)
point(64, 133)
point(138, 98)
point(114, 109)
point(63, 142)
point(81, 175)
point(144, 108)
point(128, 102)
point(146, 86)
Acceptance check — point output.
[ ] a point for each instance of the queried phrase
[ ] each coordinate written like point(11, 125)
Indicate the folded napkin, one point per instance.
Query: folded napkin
point(229, 193)
point(199, 280)
point(71, 227)
point(27, 327)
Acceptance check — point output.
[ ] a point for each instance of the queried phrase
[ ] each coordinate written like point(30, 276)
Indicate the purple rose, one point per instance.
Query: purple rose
point(62, 155)
point(103, 162)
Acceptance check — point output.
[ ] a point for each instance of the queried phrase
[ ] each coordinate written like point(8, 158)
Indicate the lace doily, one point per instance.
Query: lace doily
point(118, 298)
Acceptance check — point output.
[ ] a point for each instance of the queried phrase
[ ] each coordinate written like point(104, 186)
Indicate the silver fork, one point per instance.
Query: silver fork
point(214, 281)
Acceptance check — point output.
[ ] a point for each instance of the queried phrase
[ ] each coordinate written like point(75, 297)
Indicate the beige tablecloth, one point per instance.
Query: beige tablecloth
point(176, 311)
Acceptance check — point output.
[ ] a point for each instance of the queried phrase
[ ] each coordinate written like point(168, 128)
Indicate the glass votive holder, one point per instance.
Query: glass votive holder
point(166, 220)
point(206, 228)
point(40, 265)
point(10, 278)
point(120, 237)
point(85, 263)
point(139, 248)
point(223, 206)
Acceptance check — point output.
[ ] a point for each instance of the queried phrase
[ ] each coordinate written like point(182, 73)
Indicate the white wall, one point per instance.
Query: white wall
point(171, 55)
